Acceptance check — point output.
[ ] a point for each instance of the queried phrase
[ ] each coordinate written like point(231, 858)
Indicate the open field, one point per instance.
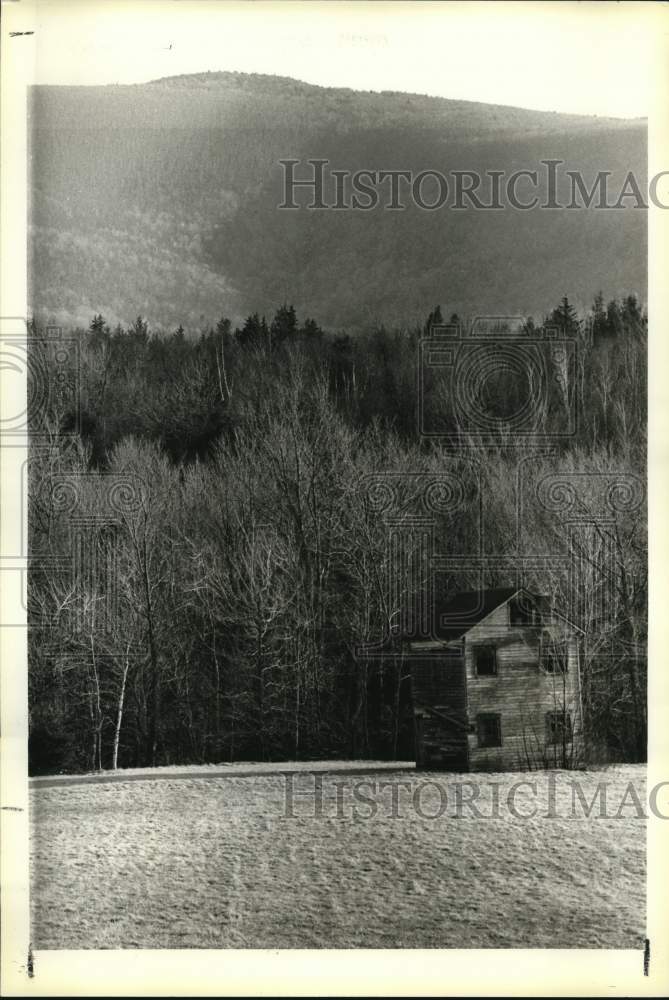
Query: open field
point(268, 861)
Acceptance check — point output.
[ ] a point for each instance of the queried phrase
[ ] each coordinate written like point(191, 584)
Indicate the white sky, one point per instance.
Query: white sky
point(591, 58)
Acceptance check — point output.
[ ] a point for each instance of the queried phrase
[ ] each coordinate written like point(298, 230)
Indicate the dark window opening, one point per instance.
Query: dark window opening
point(485, 661)
point(489, 729)
point(558, 727)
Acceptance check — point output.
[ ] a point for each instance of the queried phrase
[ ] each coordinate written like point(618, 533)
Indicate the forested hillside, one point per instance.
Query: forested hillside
point(206, 561)
point(161, 199)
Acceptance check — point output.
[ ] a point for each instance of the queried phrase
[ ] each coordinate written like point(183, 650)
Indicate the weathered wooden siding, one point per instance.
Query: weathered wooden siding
point(521, 692)
point(447, 701)
point(440, 712)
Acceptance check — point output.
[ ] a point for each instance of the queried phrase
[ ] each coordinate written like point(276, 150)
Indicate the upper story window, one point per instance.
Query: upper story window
point(485, 661)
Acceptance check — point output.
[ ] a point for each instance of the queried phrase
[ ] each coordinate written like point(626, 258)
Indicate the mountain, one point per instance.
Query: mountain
point(161, 199)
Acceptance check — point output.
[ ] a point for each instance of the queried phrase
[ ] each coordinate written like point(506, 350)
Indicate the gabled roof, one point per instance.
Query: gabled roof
point(468, 608)
point(457, 616)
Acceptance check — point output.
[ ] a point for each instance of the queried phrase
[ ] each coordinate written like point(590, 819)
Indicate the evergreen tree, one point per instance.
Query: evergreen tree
point(140, 327)
point(565, 317)
point(310, 329)
point(434, 319)
point(223, 328)
point(599, 322)
point(614, 320)
point(254, 333)
point(631, 314)
point(284, 325)
point(99, 331)
point(97, 323)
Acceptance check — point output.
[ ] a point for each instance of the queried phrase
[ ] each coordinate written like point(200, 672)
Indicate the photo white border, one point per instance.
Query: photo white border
point(522, 972)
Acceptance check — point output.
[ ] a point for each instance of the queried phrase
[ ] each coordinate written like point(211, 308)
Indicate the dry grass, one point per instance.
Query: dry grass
point(215, 863)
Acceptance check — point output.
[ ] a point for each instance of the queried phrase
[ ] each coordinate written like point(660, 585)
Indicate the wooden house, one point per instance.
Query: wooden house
point(497, 687)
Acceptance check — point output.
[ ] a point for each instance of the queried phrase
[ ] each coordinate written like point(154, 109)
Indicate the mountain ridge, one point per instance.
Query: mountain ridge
point(161, 198)
point(214, 76)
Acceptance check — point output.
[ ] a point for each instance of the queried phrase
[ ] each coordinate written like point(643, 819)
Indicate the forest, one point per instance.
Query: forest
point(206, 564)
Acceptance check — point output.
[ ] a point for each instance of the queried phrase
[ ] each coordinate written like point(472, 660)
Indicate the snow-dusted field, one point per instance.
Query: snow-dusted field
point(384, 860)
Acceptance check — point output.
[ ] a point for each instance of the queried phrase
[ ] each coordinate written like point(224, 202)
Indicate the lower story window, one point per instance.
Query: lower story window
point(558, 727)
point(489, 729)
